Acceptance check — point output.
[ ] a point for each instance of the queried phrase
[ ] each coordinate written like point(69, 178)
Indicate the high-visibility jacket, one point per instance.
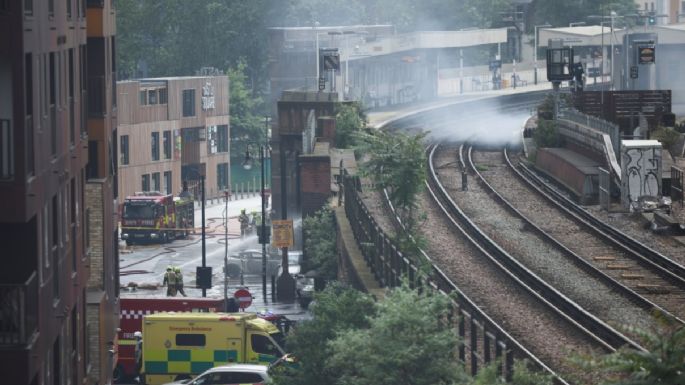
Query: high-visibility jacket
point(170, 278)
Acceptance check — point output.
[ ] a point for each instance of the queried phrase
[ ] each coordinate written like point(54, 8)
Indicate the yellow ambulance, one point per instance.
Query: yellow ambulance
point(183, 345)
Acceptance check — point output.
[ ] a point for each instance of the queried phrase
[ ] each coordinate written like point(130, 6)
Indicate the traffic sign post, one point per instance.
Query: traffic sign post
point(244, 298)
point(322, 84)
point(282, 233)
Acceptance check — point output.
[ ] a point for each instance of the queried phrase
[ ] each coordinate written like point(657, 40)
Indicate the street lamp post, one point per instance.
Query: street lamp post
point(535, 62)
point(202, 273)
point(248, 165)
point(204, 248)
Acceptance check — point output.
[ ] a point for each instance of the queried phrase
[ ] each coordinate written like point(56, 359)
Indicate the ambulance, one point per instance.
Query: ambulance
point(182, 345)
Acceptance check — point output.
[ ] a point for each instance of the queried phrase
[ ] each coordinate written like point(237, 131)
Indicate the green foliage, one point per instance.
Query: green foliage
point(561, 13)
point(662, 363)
point(336, 309)
point(320, 244)
point(546, 134)
point(349, 120)
point(246, 123)
point(407, 342)
point(667, 136)
point(396, 161)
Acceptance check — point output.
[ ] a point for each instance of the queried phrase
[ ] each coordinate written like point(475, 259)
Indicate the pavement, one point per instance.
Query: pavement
point(142, 267)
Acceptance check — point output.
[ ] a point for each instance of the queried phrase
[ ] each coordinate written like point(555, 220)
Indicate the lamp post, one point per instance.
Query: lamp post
point(535, 62)
point(201, 278)
point(316, 34)
point(247, 164)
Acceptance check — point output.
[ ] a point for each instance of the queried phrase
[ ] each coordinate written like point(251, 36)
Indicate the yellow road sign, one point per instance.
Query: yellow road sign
point(282, 233)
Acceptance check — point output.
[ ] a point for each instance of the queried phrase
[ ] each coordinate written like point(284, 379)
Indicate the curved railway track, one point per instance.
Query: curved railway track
point(626, 271)
point(536, 314)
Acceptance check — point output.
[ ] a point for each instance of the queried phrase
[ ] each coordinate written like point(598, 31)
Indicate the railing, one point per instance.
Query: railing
point(6, 150)
point(601, 125)
point(486, 342)
point(18, 311)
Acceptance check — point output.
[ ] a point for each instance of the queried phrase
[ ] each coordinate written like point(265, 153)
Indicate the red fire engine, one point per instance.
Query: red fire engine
point(152, 216)
point(131, 321)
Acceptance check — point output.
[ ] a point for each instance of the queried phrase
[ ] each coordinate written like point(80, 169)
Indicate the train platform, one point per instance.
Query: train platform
point(380, 116)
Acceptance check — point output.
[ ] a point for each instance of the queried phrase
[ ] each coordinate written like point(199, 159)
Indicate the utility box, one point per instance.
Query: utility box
point(640, 170)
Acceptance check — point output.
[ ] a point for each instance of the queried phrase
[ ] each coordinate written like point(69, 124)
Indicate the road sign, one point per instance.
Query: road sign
point(282, 231)
point(322, 84)
point(495, 64)
point(633, 72)
point(646, 54)
point(243, 297)
point(331, 62)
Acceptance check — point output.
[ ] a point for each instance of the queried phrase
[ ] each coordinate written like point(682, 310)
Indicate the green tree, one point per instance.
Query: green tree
point(349, 120)
point(395, 161)
point(245, 107)
point(667, 136)
point(407, 342)
point(320, 244)
point(546, 134)
point(336, 309)
point(561, 13)
point(662, 363)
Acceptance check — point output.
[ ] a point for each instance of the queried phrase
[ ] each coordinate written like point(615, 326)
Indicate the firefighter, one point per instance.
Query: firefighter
point(179, 281)
point(244, 222)
point(170, 282)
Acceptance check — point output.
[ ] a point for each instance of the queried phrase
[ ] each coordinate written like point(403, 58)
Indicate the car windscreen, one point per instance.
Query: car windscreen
point(139, 211)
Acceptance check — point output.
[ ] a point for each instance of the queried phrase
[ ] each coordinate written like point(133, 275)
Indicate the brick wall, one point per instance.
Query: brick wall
point(315, 183)
point(94, 204)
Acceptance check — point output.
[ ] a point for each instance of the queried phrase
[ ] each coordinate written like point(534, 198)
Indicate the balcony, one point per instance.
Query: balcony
point(18, 311)
point(97, 97)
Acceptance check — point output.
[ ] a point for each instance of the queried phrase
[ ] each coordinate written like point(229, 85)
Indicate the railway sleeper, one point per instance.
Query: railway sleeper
point(632, 276)
point(604, 258)
point(617, 266)
point(653, 288)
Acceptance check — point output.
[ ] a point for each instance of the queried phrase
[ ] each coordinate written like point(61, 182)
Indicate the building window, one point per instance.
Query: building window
point(188, 103)
point(124, 149)
point(54, 250)
point(68, 9)
point(146, 182)
point(211, 140)
point(155, 182)
point(51, 8)
point(682, 7)
point(222, 138)
point(28, 7)
point(167, 182)
point(152, 97)
point(6, 150)
point(143, 98)
point(222, 176)
point(166, 143)
point(163, 96)
point(155, 146)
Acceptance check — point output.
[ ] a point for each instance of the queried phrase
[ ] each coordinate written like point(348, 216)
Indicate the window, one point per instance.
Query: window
point(124, 149)
point(222, 138)
point(152, 97)
point(167, 182)
point(155, 182)
point(682, 7)
point(163, 97)
point(188, 103)
point(211, 140)
point(68, 9)
point(53, 101)
point(155, 146)
point(166, 143)
point(146, 182)
point(51, 8)
point(191, 340)
point(263, 345)
point(28, 7)
point(143, 98)
point(222, 176)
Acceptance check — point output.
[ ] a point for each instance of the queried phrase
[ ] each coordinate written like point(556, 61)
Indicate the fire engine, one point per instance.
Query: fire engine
point(153, 216)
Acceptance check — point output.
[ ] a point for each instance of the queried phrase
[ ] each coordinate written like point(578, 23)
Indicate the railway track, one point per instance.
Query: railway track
point(626, 271)
point(537, 315)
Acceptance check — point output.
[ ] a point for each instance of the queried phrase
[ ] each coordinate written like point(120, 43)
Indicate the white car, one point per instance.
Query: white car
point(229, 375)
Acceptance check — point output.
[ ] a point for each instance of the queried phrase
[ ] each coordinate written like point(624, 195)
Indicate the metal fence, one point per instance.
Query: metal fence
point(598, 124)
point(482, 341)
point(18, 311)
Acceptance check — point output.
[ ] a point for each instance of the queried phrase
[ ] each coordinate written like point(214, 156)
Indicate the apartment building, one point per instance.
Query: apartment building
point(173, 130)
point(53, 116)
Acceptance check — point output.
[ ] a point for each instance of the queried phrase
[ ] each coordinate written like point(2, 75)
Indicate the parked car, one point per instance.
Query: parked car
point(229, 375)
point(251, 262)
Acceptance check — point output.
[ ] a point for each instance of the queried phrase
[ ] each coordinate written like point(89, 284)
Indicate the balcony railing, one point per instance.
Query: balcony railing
point(6, 150)
point(18, 311)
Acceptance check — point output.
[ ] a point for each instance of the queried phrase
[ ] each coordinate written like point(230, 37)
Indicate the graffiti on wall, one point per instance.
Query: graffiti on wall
point(641, 171)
